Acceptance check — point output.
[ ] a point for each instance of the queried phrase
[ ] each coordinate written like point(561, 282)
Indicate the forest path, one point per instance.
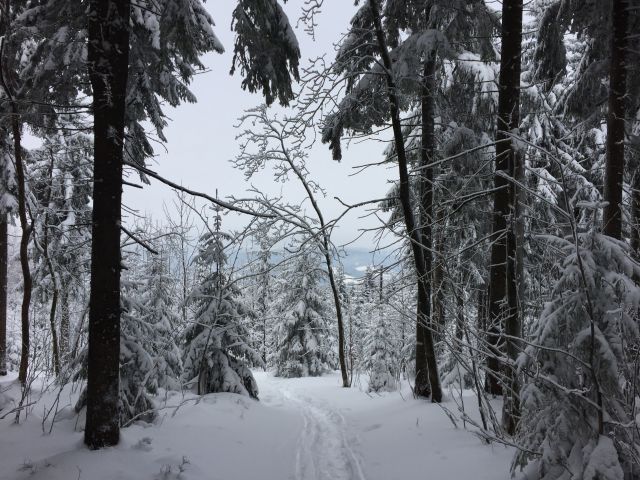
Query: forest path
point(349, 434)
point(325, 447)
point(324, 451)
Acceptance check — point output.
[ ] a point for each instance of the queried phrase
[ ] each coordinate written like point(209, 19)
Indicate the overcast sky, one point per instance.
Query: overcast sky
point(201, 136)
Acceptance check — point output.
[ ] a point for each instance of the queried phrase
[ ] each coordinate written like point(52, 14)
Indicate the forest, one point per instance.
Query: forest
point(258, 303)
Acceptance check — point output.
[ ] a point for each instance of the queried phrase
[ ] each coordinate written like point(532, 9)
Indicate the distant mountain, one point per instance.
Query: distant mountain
point(354, 260)
point(357, 260)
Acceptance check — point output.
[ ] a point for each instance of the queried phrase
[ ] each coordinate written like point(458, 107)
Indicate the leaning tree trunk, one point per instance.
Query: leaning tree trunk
point(504, 277)
point(614, 168)
point(427, 148)
point(108, 56)
point(407, 208)
point(346, 380)
point(325, 247)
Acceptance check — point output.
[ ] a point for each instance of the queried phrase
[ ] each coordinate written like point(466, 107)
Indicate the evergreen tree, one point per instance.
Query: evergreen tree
point(266, 49)
point(161, 322)
point(259, 291)
point(578, 408)
point(216, 344)
point(301, 331)
point(381, 349)
point(137, 366)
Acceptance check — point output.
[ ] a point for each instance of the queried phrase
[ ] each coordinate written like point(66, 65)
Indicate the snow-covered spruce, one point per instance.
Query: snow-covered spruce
point(137, 370)
point(382, 360)
point(160, 320)
point(578, 403)
point(216, 343)
point(302, 336)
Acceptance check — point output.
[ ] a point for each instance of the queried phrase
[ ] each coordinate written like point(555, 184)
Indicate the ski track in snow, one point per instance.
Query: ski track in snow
point(324, 449)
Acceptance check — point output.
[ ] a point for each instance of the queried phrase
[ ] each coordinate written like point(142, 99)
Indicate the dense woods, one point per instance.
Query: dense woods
point(505, 258)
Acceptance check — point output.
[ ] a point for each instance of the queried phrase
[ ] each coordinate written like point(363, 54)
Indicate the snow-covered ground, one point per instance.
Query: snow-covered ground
point(302, 429)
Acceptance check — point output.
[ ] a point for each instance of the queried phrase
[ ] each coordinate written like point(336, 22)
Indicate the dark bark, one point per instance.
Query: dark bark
point(108, 52)
point(55, 352)
point(503, 291)
point(459, 319)
point(614, 168)
point(64, 321)
point(3, 293)
point(501, 312)
point(427, 148)
point(482, 308)
point(27, 283)
point(426, 342)
point(438, 275)
point(346, 381)
point(25, 227)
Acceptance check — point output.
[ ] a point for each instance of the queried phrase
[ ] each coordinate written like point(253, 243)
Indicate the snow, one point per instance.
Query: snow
point(303, 429)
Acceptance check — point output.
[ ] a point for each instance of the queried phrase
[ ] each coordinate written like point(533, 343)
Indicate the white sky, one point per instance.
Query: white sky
point(201, 136)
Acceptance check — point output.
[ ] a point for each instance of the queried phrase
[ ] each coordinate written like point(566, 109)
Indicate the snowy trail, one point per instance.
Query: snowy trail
point(324, 449)
point(301, 429)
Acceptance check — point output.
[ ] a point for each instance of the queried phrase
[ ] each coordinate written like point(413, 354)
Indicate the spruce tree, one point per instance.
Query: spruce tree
point(577, 407)
point(301, 331)
point(158, 314)
point(216, 343)
point(381, 349)
point(138, 368)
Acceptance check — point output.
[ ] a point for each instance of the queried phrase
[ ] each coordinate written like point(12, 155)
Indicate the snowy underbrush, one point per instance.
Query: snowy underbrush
point(304, 428)
point(193, 437)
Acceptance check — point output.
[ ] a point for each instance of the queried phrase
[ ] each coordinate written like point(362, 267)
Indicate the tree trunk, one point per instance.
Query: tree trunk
point(504, 268)
point(459, 319)
point(64, 321)
point(614, 168)
point(503, 231)
point(54, 301)
point(27, 283)
point(482, 307)
point(407, 209)
point(346, 381)
point(438, 275)
point(4, 237)
point(55, 353)
point(108, 53)
point(427, 148)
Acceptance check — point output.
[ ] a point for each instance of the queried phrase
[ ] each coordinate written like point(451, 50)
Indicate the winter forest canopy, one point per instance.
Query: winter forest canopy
point(320, 239)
